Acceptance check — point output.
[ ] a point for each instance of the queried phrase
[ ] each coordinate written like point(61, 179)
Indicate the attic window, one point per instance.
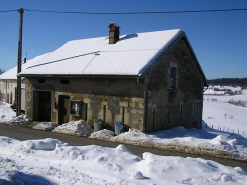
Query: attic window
point(41, 81)
point(64, 81)
point(173, 79)
point(173, 76)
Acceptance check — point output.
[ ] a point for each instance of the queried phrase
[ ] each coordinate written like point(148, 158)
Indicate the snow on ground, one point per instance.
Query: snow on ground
point(220, 90)
point(6, 112)
point(224, 116)
point(45, 126)
point(50, 161)
point(78, 128)
point(205, 142)
point(21, 119)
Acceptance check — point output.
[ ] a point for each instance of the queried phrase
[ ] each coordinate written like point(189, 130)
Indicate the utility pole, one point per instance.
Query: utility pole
point(18, 89)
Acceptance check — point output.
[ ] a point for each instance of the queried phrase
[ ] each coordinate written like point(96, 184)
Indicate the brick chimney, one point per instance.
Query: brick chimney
point(113, 33)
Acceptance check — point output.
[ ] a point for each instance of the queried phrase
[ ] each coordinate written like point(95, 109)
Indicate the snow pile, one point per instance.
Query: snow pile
point(194, 141)
point(45, 126)
point(102, 134)
point(77, 128)
point(21, 119)
point(50, 161)
point(6, 112)
point(135, 137)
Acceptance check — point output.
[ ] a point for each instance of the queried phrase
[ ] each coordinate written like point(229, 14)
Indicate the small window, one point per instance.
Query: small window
point(104, 113)
point(75, 108)
point(168, 114)
point(41, 81)
point(173, 78)
point(153, 111)
point(123, 111)
point(64, 81)
point(181, 110)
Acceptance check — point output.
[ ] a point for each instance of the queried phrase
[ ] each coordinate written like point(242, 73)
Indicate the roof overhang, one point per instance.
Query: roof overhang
point(75, 76)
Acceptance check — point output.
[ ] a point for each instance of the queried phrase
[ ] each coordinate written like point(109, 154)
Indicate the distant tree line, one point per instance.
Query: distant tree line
point(242, 82)
point(2, 71)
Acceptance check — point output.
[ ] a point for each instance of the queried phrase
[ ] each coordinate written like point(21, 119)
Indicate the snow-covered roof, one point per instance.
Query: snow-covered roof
point(11, 74)
point(132, 54)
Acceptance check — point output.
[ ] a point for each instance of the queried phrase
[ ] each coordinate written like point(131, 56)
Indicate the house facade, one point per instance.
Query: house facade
point(8, 83)
point(149, 81)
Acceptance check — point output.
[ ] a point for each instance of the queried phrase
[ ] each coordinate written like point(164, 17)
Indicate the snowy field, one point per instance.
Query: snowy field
point(50, 161)
point(224, 116)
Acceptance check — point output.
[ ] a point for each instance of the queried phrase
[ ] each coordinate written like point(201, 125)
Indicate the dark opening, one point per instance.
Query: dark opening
point(153, 116)
point(181, 111)
point(173, 78)
point(41, 81)
point(168, 114)
point(85, 111)
point(63, 109)
point(64, 81)
point(104, 113)
point(123, 110)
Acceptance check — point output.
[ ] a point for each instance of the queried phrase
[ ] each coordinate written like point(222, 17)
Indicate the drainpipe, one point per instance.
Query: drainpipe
point(146, 105)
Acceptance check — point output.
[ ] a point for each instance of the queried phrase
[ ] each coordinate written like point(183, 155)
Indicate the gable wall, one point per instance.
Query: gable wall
point(112, 93)
point(189, 90)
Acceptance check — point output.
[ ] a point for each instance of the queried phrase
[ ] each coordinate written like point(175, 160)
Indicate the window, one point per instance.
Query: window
point(123, 111)
point(104, 112)
point(181, 110)
point(168, 114)
point(173, 78)
point(153, 110)
point(194, 112)
point(41, 81)
point(64, 81)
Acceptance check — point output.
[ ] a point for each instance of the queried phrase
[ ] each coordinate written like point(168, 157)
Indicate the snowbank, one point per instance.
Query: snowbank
point(77, 128)
point(21, 119)
point(102, 134)
point(6, 112)
point(194, 141)
point(50, 161)
point(45, 126)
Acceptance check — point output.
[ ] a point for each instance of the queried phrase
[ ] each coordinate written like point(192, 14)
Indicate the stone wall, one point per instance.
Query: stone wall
point(189, 91)
point(107, 98)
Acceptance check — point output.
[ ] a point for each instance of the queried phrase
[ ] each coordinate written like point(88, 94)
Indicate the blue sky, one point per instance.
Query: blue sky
point(219, 39)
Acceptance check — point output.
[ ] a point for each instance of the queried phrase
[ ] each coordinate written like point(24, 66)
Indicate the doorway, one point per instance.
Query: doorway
point(42, 105)
point(63, 109)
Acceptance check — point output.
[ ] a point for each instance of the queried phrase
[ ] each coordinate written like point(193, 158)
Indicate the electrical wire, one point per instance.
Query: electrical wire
point(124, 13)
point(4, 11)
point(128, 13)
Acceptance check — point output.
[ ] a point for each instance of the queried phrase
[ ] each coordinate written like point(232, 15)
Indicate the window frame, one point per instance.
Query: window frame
point(173, 76)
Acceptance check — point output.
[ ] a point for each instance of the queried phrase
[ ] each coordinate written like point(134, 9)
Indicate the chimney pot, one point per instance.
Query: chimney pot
point(113, 33)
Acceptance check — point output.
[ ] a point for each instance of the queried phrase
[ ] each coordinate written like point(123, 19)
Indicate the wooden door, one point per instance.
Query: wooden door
point(63, 109)
point(66, 111)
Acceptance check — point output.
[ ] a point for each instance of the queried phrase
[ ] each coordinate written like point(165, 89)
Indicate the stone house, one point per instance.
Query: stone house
point(8, 82)
point(149, 81)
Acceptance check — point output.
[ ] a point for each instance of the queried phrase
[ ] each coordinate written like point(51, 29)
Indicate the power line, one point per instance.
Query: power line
point(126, 13)
point(165, 12)
point(3, 11)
